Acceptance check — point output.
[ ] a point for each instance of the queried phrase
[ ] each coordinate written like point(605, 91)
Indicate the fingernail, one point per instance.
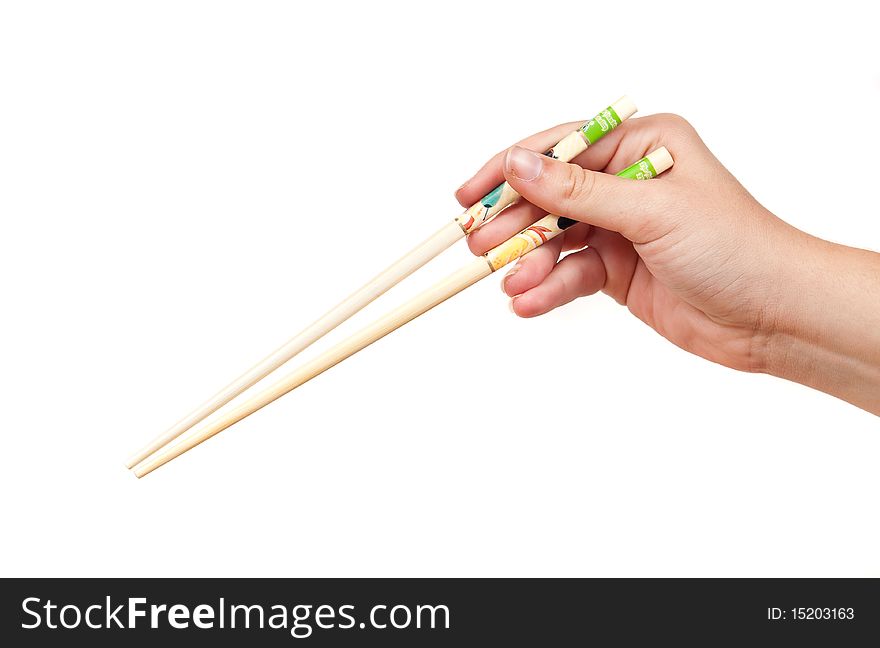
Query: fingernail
point(507, 277)
point(510, 305)
point(524, 164)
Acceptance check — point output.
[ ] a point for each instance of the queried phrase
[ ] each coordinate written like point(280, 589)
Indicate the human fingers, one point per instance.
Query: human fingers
point(577, 275)
point(533, 268)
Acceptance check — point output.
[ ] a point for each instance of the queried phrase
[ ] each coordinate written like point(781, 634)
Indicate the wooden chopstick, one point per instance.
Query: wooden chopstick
point(530, 238)
point(480, 213)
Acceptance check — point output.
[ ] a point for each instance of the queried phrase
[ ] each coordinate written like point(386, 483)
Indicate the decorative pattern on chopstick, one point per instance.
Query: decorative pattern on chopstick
point(531, 237)
point(566, 150)
point(551, 226)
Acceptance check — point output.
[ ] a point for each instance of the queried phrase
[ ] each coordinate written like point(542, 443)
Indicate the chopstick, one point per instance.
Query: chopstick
point(530, 238)
point(474, 217)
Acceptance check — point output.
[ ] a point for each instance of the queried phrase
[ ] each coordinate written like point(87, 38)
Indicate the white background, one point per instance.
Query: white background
point(184, 185)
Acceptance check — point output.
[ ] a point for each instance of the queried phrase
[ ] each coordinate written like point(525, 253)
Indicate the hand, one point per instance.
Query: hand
point(690, 253)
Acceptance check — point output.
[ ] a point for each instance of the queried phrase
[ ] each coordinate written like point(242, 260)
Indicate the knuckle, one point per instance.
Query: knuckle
point(676, 124)
point(578, 186)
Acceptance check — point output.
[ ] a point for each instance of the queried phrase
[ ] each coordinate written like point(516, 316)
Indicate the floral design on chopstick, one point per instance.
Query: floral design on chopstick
point(527, 240)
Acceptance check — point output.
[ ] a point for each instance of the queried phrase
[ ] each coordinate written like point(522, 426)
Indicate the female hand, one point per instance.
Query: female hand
point(693, 255)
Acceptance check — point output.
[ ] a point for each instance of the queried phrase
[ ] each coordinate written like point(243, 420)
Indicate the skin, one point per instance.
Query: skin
point(693, 255)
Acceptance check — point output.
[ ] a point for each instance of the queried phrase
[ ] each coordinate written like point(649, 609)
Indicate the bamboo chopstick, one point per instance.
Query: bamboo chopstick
point(482, 212)
point(530, 238)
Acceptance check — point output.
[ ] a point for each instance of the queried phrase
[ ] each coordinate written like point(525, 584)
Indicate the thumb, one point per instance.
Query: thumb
point(632, 208)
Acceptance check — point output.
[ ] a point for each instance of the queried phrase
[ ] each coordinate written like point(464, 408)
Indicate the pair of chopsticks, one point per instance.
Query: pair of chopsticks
point(161, 450)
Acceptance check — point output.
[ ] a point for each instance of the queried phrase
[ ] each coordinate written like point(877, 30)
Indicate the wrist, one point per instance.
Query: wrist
point(791, 322)
point(825, 329)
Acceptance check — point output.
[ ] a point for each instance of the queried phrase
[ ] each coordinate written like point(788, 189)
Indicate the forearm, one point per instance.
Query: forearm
point(826, 324)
